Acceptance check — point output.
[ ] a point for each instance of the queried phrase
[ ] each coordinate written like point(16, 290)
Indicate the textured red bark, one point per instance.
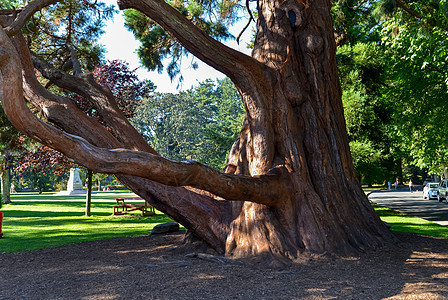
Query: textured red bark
point(289, 186)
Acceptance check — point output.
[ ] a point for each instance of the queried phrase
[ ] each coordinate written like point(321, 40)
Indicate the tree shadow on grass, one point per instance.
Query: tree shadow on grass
point(56, 229)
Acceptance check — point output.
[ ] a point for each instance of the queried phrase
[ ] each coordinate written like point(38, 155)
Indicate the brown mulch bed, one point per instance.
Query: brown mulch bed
point(155, 267)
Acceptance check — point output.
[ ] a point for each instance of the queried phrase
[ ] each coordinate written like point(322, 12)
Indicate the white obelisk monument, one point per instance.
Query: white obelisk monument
point(74, 185)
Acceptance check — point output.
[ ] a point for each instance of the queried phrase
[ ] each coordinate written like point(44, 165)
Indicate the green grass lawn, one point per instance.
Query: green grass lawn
point(405, 223)
point(36, 221)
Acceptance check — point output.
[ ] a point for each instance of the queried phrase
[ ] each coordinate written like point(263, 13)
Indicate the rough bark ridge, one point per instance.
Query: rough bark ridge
point(289, 185)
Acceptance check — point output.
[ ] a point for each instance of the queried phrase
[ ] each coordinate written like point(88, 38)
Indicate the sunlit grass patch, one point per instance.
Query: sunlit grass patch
point(36, 221)
point(405, 223)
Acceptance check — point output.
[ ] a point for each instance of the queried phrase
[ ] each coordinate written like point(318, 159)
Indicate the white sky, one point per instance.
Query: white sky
point(120, 44)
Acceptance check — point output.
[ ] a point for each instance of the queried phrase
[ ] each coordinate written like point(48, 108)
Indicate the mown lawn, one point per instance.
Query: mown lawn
point(36, 221)
point(405, 223)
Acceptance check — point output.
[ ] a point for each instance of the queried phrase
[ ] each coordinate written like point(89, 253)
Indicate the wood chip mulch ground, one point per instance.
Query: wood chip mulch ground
point(156, 267)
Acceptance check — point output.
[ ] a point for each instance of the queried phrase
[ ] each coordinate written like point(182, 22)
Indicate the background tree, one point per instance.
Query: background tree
point(10, 140)
point(289, 185)
point(199, 124)
point(99, 177)
point(368, 163)
point(399, 82)
point(39, 168)
point(419, 82)
point(368, 115)
point(89, 193)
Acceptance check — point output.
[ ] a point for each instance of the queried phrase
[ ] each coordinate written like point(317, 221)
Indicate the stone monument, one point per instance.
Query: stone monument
point(74, 181)
point(74, 185)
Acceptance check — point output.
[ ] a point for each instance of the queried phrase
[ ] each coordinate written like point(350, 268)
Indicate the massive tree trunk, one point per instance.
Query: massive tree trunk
point(289, 186)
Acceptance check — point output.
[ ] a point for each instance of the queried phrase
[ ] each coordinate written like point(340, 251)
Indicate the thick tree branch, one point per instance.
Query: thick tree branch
point(263, 189)
point(59, 110)
point(181, 204)
point(84, 85)
point(100, 97)
point(253, 79)
point(27, 12)
point(237, 66)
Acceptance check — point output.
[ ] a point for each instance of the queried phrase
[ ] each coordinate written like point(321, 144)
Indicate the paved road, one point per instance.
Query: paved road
point(413, 204)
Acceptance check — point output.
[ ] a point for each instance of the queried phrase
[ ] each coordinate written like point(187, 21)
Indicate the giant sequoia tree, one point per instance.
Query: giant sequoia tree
point(288, 187)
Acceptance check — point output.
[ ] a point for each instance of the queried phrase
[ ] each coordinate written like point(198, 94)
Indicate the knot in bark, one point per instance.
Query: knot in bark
point(314, 43)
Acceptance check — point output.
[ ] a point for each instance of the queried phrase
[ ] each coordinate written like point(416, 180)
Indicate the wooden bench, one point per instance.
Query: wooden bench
point(122, 207)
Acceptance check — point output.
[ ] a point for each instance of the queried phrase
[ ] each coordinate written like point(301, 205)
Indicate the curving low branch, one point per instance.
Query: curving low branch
point(26, 13)
point(182, 204)
point(84, 85)
point(59, 110)
point(100, 97)
point(264, 189)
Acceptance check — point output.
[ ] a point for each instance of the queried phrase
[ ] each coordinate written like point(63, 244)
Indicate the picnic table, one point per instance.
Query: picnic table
point(122, 207)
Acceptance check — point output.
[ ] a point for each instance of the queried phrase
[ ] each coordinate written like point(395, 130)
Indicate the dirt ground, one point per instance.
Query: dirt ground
point(155, 267)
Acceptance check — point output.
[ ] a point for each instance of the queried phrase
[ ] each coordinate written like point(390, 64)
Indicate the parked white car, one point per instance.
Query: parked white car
point(431, 190)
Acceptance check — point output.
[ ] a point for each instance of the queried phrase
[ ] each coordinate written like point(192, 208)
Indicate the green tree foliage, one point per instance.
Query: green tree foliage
point(99, 177)
point(419, 83)
point(39, 168)
point(8, 4)
point(367, 113)
point(368, 162)
point(10, 140)
point(41, 182)
point(361, 71)
point(69, 29)
point(361, 67)
point(199, 124)
point(393, 70)
point(10, 137)
point(213, 17)
point(354, 22)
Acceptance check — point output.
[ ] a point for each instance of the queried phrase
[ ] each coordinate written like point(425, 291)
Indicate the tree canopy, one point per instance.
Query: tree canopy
point(393, 73)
